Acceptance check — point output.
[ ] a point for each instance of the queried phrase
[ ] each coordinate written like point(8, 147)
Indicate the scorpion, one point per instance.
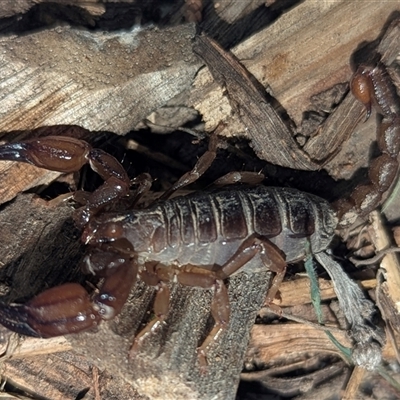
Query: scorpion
point(203, 238)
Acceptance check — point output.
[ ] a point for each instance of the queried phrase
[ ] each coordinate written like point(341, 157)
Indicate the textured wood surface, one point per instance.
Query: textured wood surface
point(110, 81)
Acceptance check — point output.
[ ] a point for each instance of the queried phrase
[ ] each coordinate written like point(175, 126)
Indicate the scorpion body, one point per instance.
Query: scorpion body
point(206, 229)
point(201, 239)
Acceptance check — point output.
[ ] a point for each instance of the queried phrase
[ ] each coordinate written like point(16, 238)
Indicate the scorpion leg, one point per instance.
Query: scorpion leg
point(193, 276)
point(160, 308)
point(202, 165)
point(143, 183)
point(189, 275)
point(66, 154)
point(231, 178)
point(68, 308)
point(220, 308)
point(116, 185)
point(271, 257)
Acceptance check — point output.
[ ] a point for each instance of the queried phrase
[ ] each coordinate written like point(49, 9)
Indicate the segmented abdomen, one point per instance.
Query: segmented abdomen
point(206, 228)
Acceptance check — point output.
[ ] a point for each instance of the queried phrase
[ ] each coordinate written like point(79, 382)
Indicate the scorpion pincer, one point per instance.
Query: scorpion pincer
point(201, 239)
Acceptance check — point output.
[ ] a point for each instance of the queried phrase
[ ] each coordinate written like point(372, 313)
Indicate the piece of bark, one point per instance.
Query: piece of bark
point(303, 53)
point(66, 376)
point(13, 7)
point(294, 292)
point(231, 11)
point(269, 344)
point(270, 138)
point(100, 81)
point(390, 275)
point(355, 380)
point(276, 380)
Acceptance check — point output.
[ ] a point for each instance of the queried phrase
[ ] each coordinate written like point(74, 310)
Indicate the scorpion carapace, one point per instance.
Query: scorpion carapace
point(198, 240)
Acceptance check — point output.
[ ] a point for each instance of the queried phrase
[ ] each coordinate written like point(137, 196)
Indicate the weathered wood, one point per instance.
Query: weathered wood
point(294, 292)
point(269, 344)
point(266, 130)
point(98, 81)
point(10, 8)
point(304, 52)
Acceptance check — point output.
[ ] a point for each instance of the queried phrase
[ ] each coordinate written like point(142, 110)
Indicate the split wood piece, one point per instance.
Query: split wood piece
point(389, 263)
point(388, 278)
point(270, 344)
point(270, 137)
point(354, 383)
point(318, 375)
point(65, 375)
point(295, 292)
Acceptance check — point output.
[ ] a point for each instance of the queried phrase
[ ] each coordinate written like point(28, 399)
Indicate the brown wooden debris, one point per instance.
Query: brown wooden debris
point(112, 81)
point(354, 383)
point(294, 292)
point(275, 381)
point(12, 7)
point(270, 137)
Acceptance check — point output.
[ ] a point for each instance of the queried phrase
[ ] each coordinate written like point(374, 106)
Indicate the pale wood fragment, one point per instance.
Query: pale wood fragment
point(12, 7)
point(295, 292)
point(232, 10)
point(390, 286)
point(352, 386)
point(100, 81)
point(273, 344)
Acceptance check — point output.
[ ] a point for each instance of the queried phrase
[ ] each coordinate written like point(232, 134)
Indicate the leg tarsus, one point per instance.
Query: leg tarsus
point(231, 178)
point(202, 165)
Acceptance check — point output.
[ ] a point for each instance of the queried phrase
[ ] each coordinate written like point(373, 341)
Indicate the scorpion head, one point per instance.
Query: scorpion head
point(103, 229)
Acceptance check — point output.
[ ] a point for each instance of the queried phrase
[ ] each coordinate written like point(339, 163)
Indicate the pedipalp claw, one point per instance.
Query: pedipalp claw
point(55, 153)
point(14, 317)
point(55, 312)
